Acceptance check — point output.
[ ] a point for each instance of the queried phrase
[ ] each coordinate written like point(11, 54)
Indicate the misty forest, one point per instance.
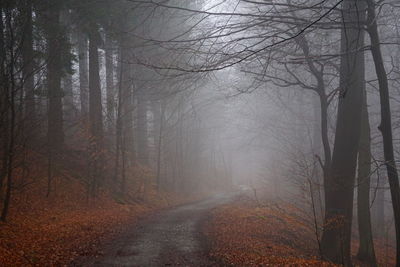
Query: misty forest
point(199, 132)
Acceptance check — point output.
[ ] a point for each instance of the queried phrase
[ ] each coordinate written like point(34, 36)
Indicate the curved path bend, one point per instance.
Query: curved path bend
point(169, 238)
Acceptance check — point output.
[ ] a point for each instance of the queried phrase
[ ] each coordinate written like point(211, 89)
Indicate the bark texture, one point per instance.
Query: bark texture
point(366, 251)
point(339, 185)
point(386, 121)
point(54, 71)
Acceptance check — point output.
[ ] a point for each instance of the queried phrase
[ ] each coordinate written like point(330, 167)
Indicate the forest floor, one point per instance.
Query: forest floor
point(244, 233)
point(56, 230)
point(66, 229)
point(172, 237)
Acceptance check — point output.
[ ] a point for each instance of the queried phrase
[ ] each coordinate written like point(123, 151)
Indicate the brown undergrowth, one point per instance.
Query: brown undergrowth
point(57, 233)
point(245, 234)
point(55, 230)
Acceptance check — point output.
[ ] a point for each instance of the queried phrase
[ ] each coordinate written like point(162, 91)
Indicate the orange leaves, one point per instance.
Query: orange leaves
point(55, 236)
point(55, 231)
point(245, 235)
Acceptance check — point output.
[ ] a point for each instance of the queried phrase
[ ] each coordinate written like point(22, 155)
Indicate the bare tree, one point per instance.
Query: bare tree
point(386, 124)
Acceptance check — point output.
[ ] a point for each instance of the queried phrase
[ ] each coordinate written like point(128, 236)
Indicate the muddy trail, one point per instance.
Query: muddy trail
point(169, 238)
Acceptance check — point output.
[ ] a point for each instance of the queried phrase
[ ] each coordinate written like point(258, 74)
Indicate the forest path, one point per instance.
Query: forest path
point(169, 238)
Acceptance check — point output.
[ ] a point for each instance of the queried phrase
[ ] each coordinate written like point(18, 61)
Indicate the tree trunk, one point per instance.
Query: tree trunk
point(366, 251)
point(54, 69)
point(83, 73)
point(68, 101)
point(109, 55)
point(322, 128)
point(10, 92)
point(324, 133)
point(159, 117)
point(142, 128)
point(386, 121)
point(95, 113)
point(379, 209)
point(118, 131)
point(336, 237)
point(127, 100)
point(3, 105)
point(323, 100)
point(28, 67)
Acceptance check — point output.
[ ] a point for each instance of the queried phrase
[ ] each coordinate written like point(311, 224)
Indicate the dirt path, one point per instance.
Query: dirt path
point(169, 238)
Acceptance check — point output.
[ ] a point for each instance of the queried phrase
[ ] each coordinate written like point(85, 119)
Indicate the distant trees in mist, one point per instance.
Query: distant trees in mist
point(72, 89)
point(124, 84)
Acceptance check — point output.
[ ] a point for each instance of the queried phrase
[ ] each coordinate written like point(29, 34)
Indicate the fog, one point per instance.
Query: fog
point(288, 102)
